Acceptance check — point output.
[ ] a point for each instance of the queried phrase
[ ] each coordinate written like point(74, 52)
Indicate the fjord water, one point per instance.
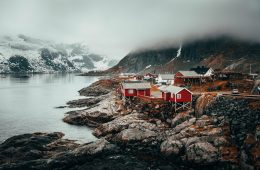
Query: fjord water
point(28, 104)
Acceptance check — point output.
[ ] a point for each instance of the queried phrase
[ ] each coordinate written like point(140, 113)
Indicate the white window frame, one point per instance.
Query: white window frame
point(130, 91)
point(178, 96)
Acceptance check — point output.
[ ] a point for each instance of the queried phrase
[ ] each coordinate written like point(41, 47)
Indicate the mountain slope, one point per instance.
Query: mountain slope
point(218, 53)
point(25, 54)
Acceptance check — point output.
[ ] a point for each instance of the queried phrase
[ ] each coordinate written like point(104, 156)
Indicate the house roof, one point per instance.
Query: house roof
point(200, 70)
point(136, 85)
point(162, 88)
point(189, 73)
point(167, 76)
point(172, 89)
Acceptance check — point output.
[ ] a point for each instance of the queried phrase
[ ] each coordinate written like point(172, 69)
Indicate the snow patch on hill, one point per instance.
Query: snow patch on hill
point(25, 54)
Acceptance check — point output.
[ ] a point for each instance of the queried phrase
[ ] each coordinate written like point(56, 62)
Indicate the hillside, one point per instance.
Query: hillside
point(25, 54)
point(218, 53)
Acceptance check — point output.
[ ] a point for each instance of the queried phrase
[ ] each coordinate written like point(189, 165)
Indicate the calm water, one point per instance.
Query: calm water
point(27, 105)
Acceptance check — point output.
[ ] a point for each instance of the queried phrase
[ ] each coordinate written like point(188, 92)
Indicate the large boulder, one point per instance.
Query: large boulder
point(172, 147)
point(130, 121)
point(100, 87)
point(83, 117)
point(202, 103)
point(179, 118)
point(129, 135)
point(84, 102)
point(202, 153)
point(184, 125)
point(93, 91)
point(32, 148)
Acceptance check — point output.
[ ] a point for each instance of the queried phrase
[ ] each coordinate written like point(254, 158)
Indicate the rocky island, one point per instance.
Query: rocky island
point(219, 132)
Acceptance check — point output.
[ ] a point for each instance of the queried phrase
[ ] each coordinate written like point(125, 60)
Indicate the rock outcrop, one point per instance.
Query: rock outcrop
point(90, 119)
point(32, 150)
point(237, 112)
point(84, 102)
point(243, 123)
point(49, 151)
point(100, 87)
point(101, 112)
point(202, 102)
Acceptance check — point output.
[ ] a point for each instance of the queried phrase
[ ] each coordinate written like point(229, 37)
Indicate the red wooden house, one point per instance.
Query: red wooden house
point(136, 88)
point(180, 97)
point(186, 77)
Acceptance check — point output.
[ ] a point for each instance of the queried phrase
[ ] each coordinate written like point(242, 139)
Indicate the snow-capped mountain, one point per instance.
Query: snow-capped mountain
point(25, 54)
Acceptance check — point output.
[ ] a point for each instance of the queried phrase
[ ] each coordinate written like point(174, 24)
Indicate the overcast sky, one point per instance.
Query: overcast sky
point(115, 27)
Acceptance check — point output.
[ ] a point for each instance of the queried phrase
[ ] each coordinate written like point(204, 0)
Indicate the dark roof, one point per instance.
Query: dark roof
point(200, 69)
point(189, 74)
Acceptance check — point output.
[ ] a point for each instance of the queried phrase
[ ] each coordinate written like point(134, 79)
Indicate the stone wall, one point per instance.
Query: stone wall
point(153, 108)
point(244, 127)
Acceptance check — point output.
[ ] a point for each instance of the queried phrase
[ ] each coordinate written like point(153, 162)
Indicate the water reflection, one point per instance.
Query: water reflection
point(28, 104)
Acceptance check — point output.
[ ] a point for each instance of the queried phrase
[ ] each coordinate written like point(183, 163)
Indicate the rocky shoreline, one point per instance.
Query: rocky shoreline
point(219, 133)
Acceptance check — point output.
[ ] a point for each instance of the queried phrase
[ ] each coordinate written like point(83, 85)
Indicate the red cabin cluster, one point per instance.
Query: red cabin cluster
point(176, 94)
point(136, 88)
point(181, 98)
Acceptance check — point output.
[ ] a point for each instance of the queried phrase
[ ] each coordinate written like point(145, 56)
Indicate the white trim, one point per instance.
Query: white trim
point(184, 89)
point(164, 89)
point(130, 91)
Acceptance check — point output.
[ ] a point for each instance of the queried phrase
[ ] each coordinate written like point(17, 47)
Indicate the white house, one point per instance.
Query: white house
point(209, 73)
point(203, 71)
point(166, 79)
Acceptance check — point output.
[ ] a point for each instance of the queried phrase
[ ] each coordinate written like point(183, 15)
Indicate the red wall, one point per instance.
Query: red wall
point(178, 79)
point(147, 92)
point(127, 94)
point(166, 96)
point(186, 96)
point(137, 92)
point(140, 92)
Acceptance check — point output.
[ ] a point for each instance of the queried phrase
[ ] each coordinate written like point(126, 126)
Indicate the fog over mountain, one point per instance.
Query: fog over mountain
point(115, 27)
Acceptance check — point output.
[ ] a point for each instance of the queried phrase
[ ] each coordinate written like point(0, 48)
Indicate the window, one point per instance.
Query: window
point(178, 96)
point(131, 91)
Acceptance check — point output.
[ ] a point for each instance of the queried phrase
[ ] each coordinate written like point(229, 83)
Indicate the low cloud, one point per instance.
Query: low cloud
point(115, 27)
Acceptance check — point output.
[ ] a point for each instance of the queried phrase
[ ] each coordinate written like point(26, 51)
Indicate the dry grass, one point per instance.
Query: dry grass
point(244, 86)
